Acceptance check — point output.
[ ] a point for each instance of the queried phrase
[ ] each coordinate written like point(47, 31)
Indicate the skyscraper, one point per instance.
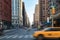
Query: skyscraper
point(5, 13)
point(20, 13)
point(23, 13)
point(43, 10)
point(26, 21)
point(17, 13)
point(15, 16)
point(36, 16)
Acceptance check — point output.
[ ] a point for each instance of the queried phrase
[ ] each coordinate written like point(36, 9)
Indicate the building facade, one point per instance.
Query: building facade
point(44, 9)
point(5, 13)
point(23, 13)
point(16, 13)
point(20, 13)
point(26, 21)
point(36, 16)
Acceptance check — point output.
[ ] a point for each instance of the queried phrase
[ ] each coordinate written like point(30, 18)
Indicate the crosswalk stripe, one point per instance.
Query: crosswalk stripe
point(15, 36)
point(30, 36)
point(10, 36)
point(20, 36)
point(3, 37)
point(26, 36)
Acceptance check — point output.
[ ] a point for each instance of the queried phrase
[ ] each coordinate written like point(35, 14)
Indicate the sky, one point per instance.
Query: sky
point(30, 8)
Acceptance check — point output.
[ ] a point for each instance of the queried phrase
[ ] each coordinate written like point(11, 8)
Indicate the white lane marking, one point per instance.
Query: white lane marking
point(30, 36)
point(10, 36)
point(15, 36)
point(3, 37)
point(26, 36)
point(21, 36)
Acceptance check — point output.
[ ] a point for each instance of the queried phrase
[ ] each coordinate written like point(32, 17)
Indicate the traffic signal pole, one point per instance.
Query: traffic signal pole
point(52, 21)
point(52, 13)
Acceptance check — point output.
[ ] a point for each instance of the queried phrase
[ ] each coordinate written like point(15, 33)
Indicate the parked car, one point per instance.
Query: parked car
point(51, 32)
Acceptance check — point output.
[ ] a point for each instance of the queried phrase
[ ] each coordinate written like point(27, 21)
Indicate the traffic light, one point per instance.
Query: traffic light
point(53, 10)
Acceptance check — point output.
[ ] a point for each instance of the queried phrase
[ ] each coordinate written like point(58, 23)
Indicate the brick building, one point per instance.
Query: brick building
point(5, 13)
point(44, 10)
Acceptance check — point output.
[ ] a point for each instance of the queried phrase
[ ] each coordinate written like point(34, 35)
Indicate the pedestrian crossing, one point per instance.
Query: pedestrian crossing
point(16, 36)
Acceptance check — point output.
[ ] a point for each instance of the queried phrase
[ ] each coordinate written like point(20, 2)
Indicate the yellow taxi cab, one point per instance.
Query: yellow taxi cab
point(51, 32)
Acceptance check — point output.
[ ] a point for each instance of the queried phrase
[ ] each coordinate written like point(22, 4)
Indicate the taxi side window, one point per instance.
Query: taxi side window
point(53, 29)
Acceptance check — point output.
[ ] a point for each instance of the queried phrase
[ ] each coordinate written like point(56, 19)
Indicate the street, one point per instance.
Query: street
point(18, 34)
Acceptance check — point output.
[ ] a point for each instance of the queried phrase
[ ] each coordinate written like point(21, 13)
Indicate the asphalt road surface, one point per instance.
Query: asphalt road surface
point(18, 34)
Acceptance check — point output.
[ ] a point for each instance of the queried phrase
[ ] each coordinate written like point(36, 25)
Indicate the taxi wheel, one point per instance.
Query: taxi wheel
point(40, 37)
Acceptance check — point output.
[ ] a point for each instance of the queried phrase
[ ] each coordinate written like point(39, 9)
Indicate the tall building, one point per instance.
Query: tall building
point(44, 10)
point(27, 20)
point(17, 13)
point(5, 13)
point(23, 13)
point(20, 13)
point(36, 16)
point(25, 17)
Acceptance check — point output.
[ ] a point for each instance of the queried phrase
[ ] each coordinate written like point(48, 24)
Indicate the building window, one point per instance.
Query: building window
point(12, 21)
point(0, 12)
point(43, 1)
point(43, 8)
point(46, 8)
point(16, 21)
point(6, 2)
